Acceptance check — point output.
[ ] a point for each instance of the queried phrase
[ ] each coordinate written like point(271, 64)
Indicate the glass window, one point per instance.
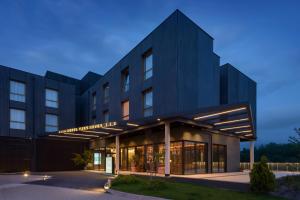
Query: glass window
point(106, 93)
point(148, 103)
point(17, 91)
point(125, 110)
point(125, 80)
point(17, 119)
point(148, 66)
point(94, 99)
point(97, 158)
point(51, 123)
point(106, 116)
point(219, 158)
point(51, 98)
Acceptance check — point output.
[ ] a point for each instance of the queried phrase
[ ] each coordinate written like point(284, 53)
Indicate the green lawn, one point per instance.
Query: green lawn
point(174, 190)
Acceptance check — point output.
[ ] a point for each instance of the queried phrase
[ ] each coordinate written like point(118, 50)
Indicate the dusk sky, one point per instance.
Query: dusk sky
point(260, 38)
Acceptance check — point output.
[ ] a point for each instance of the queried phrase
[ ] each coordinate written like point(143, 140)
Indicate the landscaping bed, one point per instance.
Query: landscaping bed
point(288, 187)
point(165, 188)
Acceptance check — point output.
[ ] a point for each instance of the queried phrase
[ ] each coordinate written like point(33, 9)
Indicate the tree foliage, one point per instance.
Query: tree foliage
point(83, 159)
point(262, 179)
point(295, 139)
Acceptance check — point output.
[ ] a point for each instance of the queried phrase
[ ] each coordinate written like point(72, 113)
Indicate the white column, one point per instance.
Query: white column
point(167, 149)
point(251, 154)
point(117, 161)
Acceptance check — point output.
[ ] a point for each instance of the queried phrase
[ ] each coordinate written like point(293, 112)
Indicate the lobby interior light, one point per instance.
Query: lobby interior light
point(231, 121)
point(132, 124)
point(235, 127)
point(220, 113)
point(246, 131)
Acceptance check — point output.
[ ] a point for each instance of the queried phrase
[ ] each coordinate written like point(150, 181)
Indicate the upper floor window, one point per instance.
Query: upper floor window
point(106, 116)
point(148, 65)
point(106, 93)
point(51, 123)
point(125, 110)
point(51, 98)
point(94, 99)
point(17, 91)
point(17, 119)
point(148, 103)
point(125, 80)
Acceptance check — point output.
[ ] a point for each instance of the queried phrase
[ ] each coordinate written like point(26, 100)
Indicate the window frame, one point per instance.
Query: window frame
point(94, 101)
point(125, 80)
point(50, 100)
point(105, 94)
point(145, 109)
point(50, 125)
point(125, 117)
point(146, 71)
point(17, 94)
point(17, 122)
point(104, 113)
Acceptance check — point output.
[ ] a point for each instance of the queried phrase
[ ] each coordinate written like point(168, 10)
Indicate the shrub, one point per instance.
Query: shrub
point(262, 180)
point(155, 185)
point(125, 179)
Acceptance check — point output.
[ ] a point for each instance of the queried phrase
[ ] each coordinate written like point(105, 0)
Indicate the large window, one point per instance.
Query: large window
point(106, 93)
point(219, 158)
point(51, 123)
point(148, 103)
point(51, 98)
point(17, 91)
point(148, 65)
point(17, 119)
point(125, 80)
point(94, 99)
point(125, 110)
point(106, 116)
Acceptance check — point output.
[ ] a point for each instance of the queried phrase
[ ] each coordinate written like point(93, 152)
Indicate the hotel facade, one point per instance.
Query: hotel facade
point(167, 106)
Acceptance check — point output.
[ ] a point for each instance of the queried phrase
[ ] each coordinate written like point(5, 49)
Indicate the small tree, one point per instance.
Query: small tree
point(262, 179)
point(82, 160)
point(295, 139)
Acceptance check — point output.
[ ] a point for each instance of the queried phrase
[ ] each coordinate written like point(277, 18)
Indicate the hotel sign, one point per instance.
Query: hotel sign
point(90, 127)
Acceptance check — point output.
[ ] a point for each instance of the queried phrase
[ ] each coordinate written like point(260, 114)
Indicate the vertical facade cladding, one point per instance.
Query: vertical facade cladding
point(172, 71)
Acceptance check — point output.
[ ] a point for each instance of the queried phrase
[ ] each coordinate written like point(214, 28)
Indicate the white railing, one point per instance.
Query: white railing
point(289, 167)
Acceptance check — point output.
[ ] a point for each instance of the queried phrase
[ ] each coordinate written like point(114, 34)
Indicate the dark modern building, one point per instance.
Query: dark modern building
point(167, 106)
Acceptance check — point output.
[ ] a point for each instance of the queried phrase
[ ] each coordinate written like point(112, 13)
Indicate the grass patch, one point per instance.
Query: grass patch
point(172, 190)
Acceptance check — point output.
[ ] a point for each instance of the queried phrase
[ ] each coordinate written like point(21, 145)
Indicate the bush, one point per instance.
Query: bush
point(155, 185)
point(262, 180)
point(125, 179)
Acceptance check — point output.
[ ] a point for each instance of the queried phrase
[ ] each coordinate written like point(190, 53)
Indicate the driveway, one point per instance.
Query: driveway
point(73, 179)
point(74, 185)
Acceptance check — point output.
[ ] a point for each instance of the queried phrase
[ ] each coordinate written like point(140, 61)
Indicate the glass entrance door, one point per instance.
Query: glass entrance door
point(219, 158)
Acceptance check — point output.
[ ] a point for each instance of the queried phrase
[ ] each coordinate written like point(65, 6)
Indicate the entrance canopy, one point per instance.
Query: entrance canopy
point(234, 120)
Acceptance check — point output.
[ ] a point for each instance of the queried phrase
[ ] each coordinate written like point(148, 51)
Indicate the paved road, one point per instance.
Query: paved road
point(74, 179)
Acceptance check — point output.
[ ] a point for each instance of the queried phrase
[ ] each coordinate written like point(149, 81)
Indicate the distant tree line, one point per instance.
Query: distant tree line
point(274, 152)
point(289, 152)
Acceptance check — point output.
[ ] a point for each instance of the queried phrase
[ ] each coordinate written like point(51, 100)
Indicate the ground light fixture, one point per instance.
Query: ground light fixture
point(107, 185)
point(26, 174)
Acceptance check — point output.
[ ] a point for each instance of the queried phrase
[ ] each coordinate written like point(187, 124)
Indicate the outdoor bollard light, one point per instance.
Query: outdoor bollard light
point(25, 174)
point(107, 185)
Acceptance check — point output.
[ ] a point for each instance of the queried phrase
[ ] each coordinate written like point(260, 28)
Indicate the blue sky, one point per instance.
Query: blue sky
point(261, 38)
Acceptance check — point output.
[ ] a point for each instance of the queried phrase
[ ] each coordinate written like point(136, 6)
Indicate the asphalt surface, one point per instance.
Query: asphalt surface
point(73, 179)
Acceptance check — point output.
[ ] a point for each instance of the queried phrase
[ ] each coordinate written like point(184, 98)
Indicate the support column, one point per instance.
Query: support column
point(117, 160)
point(167, 149)
point(251, 154)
